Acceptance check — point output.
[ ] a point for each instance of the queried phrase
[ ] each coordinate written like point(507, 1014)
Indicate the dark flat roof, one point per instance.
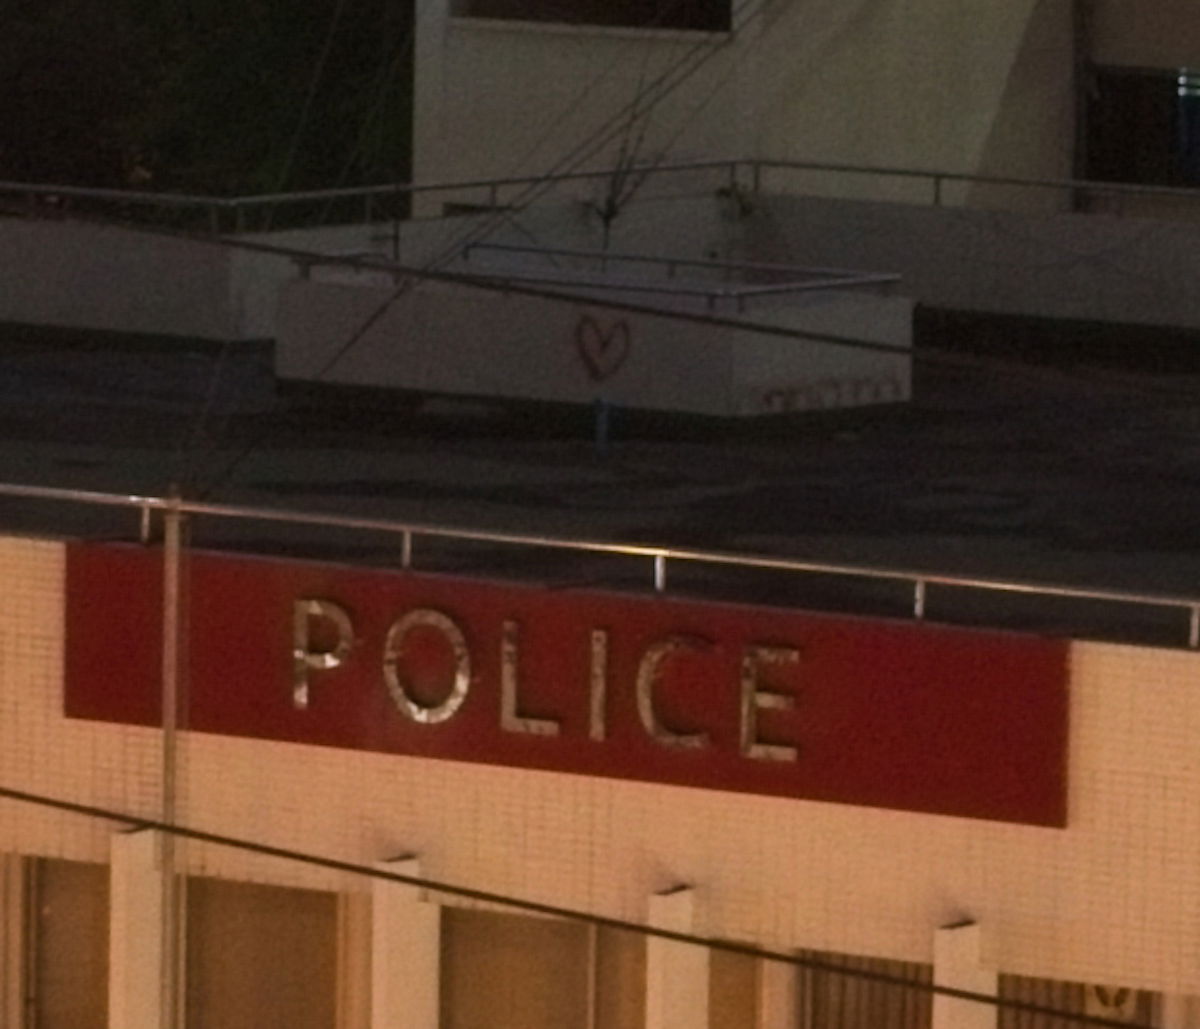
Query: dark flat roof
point(1084, 470)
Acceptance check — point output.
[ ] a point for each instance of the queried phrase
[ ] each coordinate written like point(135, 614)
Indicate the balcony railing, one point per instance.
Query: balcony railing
point(157, 515)
point(390, 202)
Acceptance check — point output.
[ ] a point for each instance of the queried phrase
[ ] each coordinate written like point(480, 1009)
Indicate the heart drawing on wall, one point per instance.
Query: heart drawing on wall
point(602, 352)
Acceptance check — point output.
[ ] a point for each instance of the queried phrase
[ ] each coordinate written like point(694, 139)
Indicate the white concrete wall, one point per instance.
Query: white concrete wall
point(1033, 131)
point(775, 374)
point(1113, 898)
point(523, 98)
point(75, 275)
point(1091, 267)
point(909, 83)
point(444, 339)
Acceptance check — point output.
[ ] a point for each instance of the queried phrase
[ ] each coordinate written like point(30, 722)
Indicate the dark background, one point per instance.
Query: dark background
point(207, 95)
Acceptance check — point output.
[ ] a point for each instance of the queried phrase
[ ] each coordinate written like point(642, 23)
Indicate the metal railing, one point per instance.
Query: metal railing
point(788, 277)
point(736, 282)
point(658, 558)
point(388, 202)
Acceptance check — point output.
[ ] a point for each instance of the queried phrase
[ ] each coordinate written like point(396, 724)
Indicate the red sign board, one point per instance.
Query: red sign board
point(717, 696)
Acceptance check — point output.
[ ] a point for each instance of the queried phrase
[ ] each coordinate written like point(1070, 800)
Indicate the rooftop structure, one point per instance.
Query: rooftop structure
point(580, 706)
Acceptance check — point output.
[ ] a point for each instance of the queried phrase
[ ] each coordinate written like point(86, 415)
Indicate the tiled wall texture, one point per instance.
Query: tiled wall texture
point(1113, 898)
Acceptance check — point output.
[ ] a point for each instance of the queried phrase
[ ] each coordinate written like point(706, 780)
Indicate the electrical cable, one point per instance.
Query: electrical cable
point(188, 450)
point(641, 105)
point(187, 457)
point(533, 907)
point(401, 51)
point(931, 355)
point(309, 98)
point(675, 75)
point(927, 355)
point(638, 108)
point(661, 87)
point(662, 12)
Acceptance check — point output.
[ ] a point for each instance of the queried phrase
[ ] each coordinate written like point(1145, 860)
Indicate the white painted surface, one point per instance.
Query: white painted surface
point(957, 963)
point(135, 939)
point(76, 275)
point(1090, 267)
point(906, 83)
point(405, 952)
point(676, 973)
point(1113, 898)
point(453, 340)
point(778, 996)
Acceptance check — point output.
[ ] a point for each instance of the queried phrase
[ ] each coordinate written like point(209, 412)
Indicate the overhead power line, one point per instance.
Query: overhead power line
point(929, 355)
point(540, 908)
point(644, 101)
point(310, 95)
point(1069, 378)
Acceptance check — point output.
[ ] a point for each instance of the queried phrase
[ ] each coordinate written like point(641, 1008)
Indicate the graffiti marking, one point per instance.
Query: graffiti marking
point(602, 353)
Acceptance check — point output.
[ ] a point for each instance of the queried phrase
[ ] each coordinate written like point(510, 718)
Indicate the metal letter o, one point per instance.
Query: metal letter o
point(393, 652)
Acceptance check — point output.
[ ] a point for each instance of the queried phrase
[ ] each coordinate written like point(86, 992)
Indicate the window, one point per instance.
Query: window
point(67, 937)
point(259, 956)
point(701, 15)
point(1143, 126)
point(505, 971)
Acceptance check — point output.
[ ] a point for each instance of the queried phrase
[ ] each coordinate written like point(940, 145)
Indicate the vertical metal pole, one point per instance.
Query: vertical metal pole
point(144, 525)
point(919, 598)
point(397, 204)
point(1194, 627)
point(660, 572)
point(171, 893)
point(406, 549)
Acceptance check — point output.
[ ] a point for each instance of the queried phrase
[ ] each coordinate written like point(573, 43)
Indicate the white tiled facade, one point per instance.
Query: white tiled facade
point(1113, 898)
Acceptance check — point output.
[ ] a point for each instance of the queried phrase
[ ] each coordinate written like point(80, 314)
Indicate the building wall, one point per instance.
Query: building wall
point(1164, 34)
point(1073, 266)
point(453, 340)
point(1032, 133)
point(905, 83)
point(76, 275)
point(1113, 898)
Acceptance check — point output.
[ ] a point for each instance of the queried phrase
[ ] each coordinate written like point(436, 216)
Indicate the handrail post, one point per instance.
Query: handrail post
point(918, 598)
point(398, 205)
point(1194, 627)
point(172, 886)
point(660, 572)
point(406, 543)
point(144, 525)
